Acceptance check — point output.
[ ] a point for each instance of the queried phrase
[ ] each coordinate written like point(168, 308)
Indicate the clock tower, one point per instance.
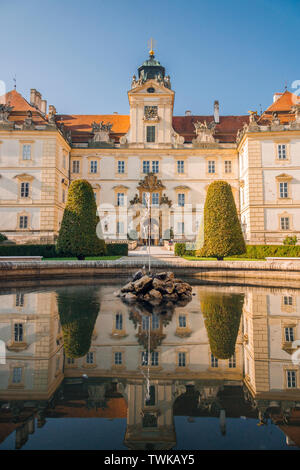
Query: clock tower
point(151, 103)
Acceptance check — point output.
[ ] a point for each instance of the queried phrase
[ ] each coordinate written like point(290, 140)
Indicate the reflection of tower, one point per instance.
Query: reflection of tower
point(150, 424)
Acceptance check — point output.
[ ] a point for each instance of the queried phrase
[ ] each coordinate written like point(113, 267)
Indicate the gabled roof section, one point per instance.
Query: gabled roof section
point(20, 108)
point(81, 124)
point(225, 131)
point(282, 106)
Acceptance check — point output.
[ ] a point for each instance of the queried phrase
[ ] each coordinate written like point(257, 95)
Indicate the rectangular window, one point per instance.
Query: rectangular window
point(291, 378)
point(180, 228)
point(146, 167)
point(90, 358)
point(227, 166)
point(281, 151)
point(26, 152)
point(289, 334)
point(120, 227)
point(211, 166)
point(121, 166)
point(75, 166)
point(155, 199)
point(150, 133)
point(181, 359)
point(144, 358)
point(288, 300)
point(155, 321)
point(19, 299)
point(182, 321)
point(118, 358)
point(18, 332)
point(181, 199)
point(151, 399)
point(232, 362)
point(180, 166)
point(70, 360)
point(214, 361)
point(119, 321)
point(145, 323)
point(283, 188)
point(155, 166)
point(284, 223)
point(94, 166)
point(120, 199)
point(23, 221)
point(154, 358)
point(17, 375)
point(24, 189)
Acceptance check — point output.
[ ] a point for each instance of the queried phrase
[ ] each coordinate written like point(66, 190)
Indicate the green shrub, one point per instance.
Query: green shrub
point(78, 309)
point(290, 241)
point(222, 229)
point(222, 314)
point(77, 235)
point(264, 251)
point(117, 249)
point(179, 249)
point(47, 251)
point(2, 237)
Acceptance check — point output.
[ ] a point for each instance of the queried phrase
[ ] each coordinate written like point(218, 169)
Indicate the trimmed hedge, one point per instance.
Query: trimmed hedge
point(47, 251)
point(222, 316)
point(117, 249)
point(222, 229)
point(253, 251)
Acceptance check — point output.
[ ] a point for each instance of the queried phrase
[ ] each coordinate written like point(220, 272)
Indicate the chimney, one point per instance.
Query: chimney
point(38, 99)
point(32, 96)
point(216, 112)
point(188, 113)
point(44, 106)
point(276, 96)
point(115, 112)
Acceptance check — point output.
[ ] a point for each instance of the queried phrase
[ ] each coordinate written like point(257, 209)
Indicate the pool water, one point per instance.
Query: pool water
point(80, 369)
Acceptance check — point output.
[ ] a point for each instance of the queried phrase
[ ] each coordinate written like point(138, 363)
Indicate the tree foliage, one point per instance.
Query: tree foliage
point(77, 235)
point(222, 229)
point(78, 309)
point(222, 314)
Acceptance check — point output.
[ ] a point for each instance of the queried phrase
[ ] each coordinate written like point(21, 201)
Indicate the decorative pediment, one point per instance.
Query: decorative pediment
point(24, 177)
point(150, 87)
point(284, 177)
point(150, 183)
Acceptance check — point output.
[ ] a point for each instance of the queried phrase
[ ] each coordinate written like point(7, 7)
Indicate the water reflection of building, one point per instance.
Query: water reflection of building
point(185, 379)
point(271, 350)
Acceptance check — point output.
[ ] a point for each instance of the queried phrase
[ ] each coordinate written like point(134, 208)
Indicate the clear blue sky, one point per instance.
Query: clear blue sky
point(81, 54)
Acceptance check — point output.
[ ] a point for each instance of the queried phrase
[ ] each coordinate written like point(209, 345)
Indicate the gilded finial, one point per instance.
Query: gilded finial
point(151, 45)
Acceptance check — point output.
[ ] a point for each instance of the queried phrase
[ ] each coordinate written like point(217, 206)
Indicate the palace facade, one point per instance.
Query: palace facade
point(124, 157)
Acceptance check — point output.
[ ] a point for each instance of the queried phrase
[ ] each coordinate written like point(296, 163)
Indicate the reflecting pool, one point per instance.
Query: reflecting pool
point(80, 369)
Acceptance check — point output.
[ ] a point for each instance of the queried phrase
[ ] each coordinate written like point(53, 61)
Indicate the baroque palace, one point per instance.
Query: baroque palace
point(174, 158)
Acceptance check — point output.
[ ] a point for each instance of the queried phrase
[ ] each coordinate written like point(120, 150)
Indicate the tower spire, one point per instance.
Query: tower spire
point(151, 45)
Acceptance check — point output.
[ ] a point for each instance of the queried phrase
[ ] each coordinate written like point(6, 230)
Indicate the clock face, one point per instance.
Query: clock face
point(151, 90)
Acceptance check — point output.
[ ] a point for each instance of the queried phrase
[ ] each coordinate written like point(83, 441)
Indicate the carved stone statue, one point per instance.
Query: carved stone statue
point(275, 120)
point(150, 113)
point(51, 115)
point(5, 111)
point(101, 132)
point(134, 82)
point(28, 122)
point(167, 81)
point(204, 132)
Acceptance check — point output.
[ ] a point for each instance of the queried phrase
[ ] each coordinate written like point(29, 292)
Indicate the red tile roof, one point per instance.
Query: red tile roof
point(20, 108)
point(282, 106)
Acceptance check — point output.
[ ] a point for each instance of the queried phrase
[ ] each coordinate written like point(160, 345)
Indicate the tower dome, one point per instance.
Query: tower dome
point(151, 69)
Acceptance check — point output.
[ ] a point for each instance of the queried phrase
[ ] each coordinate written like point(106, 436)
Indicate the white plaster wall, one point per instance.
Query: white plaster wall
point(9, 217)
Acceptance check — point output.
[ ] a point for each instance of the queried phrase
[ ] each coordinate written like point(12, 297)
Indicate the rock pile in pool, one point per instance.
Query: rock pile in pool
point(156, 289)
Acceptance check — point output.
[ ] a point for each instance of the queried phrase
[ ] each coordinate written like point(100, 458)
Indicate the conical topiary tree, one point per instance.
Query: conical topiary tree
point(222, 229)
point(78, 309)
point(77, 235)
point(222, 314)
